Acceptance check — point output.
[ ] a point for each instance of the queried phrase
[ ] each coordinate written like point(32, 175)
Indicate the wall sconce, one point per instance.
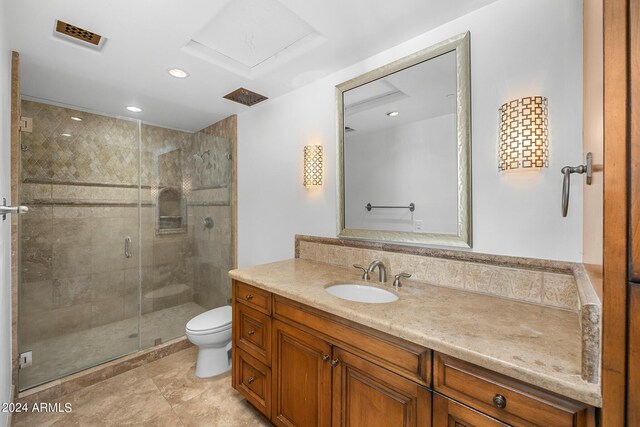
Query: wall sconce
point(524, 138)
point(312, 166)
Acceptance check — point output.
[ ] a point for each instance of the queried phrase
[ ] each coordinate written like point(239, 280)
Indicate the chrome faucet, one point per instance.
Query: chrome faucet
point(365, 272)
point(382, 270)
point(396, 282)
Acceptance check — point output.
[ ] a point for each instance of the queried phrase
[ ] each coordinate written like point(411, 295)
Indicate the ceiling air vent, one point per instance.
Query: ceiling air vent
point(79, 35)
point(245, 97)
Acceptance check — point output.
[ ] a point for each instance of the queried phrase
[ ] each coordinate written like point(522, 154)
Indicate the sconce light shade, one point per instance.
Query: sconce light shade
point(524, 138)
point(312, 166)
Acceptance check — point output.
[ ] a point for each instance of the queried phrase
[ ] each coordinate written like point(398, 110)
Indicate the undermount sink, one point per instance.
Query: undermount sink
point(361, 293)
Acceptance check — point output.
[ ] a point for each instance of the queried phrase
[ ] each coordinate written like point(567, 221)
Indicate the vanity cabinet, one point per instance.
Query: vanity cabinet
point(301, 366)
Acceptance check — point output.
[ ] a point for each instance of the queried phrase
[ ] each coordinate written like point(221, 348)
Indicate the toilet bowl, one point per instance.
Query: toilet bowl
point(211, 332)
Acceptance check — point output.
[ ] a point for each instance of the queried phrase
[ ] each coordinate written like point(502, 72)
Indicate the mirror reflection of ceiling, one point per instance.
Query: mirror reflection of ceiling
point(268, 46)
point(424, 91)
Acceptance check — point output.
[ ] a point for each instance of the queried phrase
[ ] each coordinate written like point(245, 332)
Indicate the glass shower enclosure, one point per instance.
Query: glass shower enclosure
point(127, 238)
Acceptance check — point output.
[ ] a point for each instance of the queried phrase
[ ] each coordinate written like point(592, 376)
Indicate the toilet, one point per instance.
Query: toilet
point(211, 332)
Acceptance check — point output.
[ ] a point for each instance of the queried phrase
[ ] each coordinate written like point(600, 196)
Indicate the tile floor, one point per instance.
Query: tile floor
point(162, 393)
point(63, 355)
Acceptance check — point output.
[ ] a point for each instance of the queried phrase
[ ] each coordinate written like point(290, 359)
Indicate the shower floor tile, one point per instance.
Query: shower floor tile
point(162, 393)
point(63, 355)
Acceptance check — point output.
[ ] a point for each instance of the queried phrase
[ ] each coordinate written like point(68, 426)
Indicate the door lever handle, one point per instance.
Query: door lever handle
point(566, 181)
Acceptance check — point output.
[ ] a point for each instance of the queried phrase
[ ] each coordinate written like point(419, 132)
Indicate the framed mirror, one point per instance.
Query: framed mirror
point(404, 149)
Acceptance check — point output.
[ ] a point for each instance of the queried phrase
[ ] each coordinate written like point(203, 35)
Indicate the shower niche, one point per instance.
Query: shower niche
point(171, 205)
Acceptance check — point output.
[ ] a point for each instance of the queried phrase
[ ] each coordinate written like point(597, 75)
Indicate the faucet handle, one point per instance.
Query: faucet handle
point(396, 281)
point(365, 271)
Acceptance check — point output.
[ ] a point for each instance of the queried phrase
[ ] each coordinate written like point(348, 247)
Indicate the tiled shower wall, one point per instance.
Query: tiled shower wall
point(210, 196)
point(214, 261)
point(83, 193)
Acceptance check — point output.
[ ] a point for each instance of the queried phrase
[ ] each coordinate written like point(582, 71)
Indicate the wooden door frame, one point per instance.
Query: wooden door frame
point(615, 252)
point(633, 334)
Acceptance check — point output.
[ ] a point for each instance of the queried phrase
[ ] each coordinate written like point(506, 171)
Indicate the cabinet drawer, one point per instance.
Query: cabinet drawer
point(253, 333)
point(253, 381)
point(253, 297)
point(447, 412)
point(404, 358)
point(504, 398)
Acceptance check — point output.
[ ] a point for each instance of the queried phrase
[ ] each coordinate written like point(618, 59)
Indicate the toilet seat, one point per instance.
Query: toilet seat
point(212, 321)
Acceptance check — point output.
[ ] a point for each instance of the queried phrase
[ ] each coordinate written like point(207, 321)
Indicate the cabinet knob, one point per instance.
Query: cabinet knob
point(251, 332)
point(500, 401)
point(325, 357)
point(249, 297)
point(335, 362)
point(251, 380)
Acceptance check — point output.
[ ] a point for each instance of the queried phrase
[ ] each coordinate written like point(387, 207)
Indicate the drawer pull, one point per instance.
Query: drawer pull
point(335, 362)
point(251, 332)
point(249, 297)
point(325, 357)
point(500, 401)
point(251, 380)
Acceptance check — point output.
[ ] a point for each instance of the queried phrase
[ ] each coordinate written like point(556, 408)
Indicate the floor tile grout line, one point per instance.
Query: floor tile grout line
point(160, 392)
point(148, 374)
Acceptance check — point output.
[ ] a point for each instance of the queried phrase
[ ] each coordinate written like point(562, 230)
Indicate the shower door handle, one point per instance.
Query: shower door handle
point(4, 209)
point(127, 247)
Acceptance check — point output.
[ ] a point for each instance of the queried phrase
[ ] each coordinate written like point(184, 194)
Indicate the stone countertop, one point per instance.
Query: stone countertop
point(535, 344)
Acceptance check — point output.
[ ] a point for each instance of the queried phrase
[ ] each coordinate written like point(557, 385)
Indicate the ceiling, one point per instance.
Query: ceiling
point(267, 46)
point(423, 91)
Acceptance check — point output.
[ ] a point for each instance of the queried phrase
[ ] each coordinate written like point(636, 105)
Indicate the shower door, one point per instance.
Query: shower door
point(79, 243)
point(185, 229)
point(128, 237)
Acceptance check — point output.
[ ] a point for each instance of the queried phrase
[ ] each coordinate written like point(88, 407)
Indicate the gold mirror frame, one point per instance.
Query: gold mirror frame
point(459, 44)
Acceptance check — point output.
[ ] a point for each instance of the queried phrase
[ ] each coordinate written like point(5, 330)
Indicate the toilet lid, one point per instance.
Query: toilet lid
point(209, 321)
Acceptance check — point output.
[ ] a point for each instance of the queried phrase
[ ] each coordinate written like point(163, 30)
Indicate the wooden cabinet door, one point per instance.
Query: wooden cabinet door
point(448, 413)
point(367, 395)
point(301, 378)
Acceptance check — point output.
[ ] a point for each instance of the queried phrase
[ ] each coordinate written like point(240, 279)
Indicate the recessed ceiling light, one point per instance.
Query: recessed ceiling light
point(66, 134)
point(392, 113)
point(134, 109)
point(77, 119)
point(178, 73)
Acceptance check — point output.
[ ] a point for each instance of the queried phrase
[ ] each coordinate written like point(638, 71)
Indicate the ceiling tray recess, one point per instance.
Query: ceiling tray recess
point(251, 37)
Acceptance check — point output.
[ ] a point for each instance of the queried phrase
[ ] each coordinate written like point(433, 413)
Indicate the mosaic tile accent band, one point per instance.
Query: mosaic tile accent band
point(524, 139)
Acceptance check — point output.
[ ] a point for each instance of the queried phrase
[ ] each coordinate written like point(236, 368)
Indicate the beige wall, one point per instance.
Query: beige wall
point(593, 137)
